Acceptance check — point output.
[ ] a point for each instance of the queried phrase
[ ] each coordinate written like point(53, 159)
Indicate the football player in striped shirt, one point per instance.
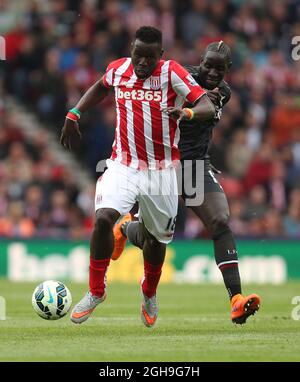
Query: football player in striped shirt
point(149, 93)
point(213, 210)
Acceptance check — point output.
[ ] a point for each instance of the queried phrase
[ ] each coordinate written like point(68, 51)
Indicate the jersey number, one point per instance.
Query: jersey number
point(171, 224)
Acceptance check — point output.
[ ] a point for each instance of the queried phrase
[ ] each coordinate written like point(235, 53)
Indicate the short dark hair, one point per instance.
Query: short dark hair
point(149, 35)
point(222, 48)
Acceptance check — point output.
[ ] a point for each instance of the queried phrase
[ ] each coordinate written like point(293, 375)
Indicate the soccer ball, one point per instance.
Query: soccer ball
point(51, 300)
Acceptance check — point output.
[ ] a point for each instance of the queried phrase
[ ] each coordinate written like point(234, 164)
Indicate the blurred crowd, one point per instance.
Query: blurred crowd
point(38, 196)
point(56, 49)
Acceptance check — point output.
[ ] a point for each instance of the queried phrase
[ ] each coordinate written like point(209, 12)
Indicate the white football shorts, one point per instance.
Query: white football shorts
point(155, 190)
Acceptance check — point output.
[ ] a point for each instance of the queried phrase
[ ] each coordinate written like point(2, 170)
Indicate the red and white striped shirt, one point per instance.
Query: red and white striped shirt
point(146, 136)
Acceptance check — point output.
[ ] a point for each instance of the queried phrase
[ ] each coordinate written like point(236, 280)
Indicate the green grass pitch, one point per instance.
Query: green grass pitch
point(193, 325)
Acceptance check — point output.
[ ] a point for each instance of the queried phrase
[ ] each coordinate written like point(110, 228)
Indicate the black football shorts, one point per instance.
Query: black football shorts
point(196, 177)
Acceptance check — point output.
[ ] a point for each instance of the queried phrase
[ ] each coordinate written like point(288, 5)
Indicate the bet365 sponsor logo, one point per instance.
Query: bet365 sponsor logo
point(139, 95)
point(2, 308)
point(296, 48)
point(2, 48)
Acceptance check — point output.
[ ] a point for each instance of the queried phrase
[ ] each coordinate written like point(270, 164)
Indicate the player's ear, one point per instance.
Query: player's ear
point(161, 52)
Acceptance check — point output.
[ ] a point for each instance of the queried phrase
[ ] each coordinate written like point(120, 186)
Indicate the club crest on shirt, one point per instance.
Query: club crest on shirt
point(155, 82)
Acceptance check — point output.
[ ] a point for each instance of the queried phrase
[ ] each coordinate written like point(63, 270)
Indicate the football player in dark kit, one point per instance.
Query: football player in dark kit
point(194, 144)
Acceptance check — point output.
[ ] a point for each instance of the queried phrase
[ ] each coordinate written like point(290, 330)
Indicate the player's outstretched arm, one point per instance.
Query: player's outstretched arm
point(95, 94)
point(204, 110)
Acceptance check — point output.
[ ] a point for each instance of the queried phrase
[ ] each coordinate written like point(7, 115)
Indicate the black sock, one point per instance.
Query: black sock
point(134, 233)
point(227, 261)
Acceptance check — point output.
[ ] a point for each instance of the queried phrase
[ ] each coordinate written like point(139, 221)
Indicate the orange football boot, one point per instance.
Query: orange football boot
point(149, 310)
point(243, 307)
point(120, 239)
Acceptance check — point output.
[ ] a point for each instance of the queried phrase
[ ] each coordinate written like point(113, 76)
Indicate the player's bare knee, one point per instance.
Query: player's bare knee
point(104, 221)
point(153, 242)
